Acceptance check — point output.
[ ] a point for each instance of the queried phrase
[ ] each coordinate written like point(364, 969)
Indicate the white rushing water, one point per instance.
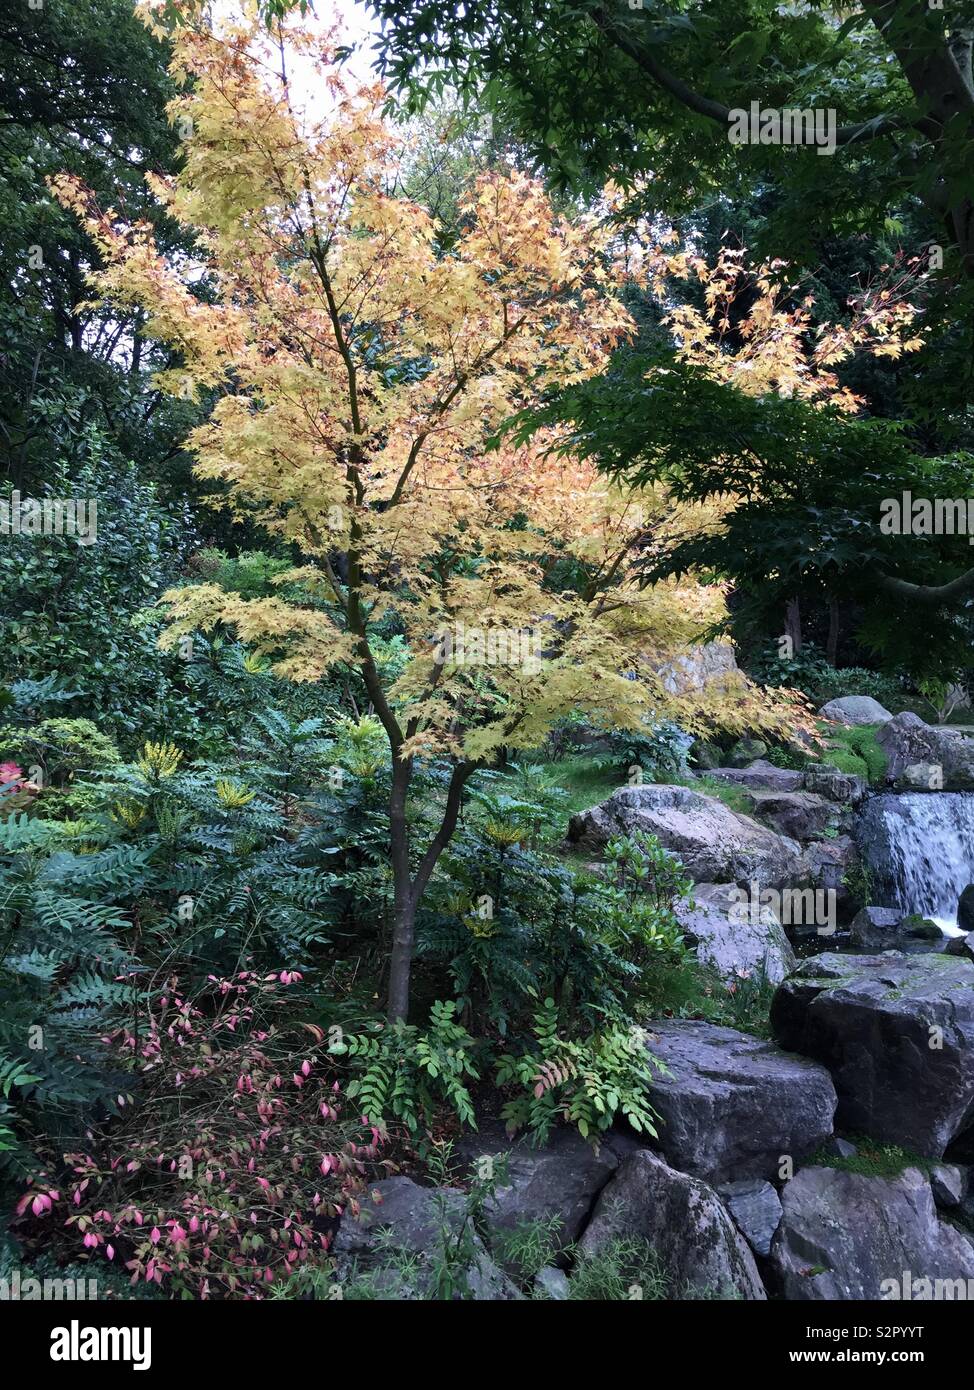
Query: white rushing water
point(920, 847)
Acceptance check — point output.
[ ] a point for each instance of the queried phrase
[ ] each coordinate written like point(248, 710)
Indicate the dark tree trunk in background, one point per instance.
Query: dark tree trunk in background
point(793, 625)
point(832, 642)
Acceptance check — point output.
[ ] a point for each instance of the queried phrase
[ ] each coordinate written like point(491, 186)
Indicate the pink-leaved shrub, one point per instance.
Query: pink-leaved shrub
point(229, 1166)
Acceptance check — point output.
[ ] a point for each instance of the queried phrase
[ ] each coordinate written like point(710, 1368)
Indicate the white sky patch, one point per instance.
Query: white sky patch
point(359, 30)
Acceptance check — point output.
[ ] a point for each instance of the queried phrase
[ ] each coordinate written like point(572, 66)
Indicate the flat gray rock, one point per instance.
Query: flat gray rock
point(734, 1105)
point(734, 944)
point(400, 1216)
point(756, 1209)
point(799, 815)
point(714, 843)
point(926, 756)
point(855, 709)
point(760, 775)
point(888, 929)
point(562, 1178)
point(896, 1032)
point(828, 781)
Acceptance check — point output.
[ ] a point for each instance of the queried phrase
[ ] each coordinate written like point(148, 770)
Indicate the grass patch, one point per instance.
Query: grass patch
point(731, 794)
point(587, 781)
point(683, 988)
point(873, 1160)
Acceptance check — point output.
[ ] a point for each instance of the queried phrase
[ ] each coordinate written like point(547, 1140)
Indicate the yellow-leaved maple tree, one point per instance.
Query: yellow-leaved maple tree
point(360, 373)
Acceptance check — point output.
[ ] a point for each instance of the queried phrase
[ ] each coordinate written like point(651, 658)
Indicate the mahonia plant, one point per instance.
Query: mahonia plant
point(585, 1082)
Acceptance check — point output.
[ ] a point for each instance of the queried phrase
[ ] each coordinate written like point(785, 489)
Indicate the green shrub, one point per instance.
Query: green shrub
point(405, 1073)
point(872, 1160)
point(810, 672)
point(625, 1269)
point(586, 1082)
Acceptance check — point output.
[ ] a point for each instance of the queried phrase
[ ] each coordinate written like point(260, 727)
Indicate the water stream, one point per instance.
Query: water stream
point(919, 847)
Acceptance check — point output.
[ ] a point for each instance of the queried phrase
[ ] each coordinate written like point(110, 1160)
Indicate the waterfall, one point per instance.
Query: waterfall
point(919, 847)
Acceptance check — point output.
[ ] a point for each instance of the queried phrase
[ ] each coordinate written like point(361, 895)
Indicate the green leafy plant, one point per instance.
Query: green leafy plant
point(404, 1072)
point(586, 1082)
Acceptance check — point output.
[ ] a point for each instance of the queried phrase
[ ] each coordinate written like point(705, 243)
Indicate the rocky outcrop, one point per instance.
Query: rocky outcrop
point(714, 843)
point(732, 1105)
point(897, 1034)
point(922, 756)
point(699, 667)
point(855, 709)
point(825, 864)
point(760, 775)
point(800, 816)
point(825, 780)
point(850, 1236)
point(400, 1217)
point(684, 1222)
point(732, 942)
point(562, 1179)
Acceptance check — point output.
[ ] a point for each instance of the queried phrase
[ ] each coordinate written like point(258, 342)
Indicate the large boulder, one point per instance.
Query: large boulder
point(826, 864)
point(825, 780)
point(699, 1248)
point(699, 666)
point(732, 1105)
point(919, 755)
point(962, 946)
point(399, 1218)
point(851, 1236)
point(734, 944)
point(761, 775)
point(562, 1178)
point(897, 1033)
point(704, 755)
point(747, 751)
point(714, 843)
point(799, 815)
point(887, 929)
point(855, 709)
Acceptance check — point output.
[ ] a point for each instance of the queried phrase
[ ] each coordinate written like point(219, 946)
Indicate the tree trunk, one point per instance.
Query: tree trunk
point(832, 641)
point(404, 903)
point(401, 960)
point(408, 890)
point(793, 625)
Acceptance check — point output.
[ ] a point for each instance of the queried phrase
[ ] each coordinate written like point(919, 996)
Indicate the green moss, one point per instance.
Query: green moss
point(921, 927)
point(856, 750)
point(845, 761)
